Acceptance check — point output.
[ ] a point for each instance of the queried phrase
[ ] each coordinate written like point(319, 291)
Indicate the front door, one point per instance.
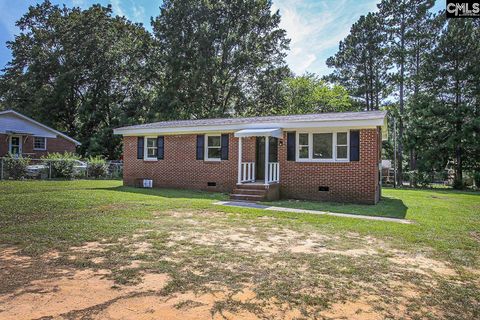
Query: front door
point(260, 155)
point(15, 145)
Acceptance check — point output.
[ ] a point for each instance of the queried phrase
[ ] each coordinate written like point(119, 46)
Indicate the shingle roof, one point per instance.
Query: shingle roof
point(336, 116)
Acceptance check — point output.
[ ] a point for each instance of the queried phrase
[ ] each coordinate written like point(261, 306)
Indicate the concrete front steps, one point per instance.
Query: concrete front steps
point(255, 191)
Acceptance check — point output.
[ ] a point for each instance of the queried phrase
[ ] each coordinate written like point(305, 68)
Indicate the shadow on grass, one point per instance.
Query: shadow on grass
point(387, 207)
point(437, 190)
point(170, 193)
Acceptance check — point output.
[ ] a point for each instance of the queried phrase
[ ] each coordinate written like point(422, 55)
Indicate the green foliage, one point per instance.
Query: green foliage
point(476, 179)
point(309, 94)
point(79, 71)
point(420, 178)
point(360, 63)
point(15, 167)
point(63, 165)
point(217, 57)
point(97, 167)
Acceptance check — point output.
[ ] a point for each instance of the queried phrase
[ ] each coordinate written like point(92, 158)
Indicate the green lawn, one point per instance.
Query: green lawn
point(309, 262)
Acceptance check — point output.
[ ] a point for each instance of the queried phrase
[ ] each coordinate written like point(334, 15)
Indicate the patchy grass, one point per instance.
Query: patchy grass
point(178, 252)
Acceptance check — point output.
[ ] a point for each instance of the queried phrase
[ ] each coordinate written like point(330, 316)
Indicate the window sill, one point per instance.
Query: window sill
point(322, 161)
point(39, 149)
point(150, 160)
point(212, 160)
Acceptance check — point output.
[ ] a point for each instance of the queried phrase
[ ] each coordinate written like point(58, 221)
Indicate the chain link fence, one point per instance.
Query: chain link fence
point(46, 169)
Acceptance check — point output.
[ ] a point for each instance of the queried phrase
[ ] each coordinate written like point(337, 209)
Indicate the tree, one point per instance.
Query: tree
point(361, 64)
point(401, 19)
point(81, 71)
point(309, 94)
point(448, 116)
point(216, 55)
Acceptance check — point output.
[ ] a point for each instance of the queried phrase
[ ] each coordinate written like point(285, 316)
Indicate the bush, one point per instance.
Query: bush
point(63, 165)
point(15, 167)
point(476, 178)
point(97, 167)
point(418, 178)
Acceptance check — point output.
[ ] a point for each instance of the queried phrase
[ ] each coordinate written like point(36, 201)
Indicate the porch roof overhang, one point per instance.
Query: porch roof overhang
point(268, 132)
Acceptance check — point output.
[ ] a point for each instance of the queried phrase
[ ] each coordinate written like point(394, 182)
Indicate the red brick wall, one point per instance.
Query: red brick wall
point(3, 144)
point(58, 144)
point(179, 168)
point(348, 182)
point(354, 181)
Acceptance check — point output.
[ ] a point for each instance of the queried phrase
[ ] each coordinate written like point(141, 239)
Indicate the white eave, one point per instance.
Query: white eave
point(293, 125)
point(55, 133)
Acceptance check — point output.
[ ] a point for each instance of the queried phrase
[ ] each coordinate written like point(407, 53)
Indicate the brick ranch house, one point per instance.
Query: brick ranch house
point(21, 135)
point(328, 156)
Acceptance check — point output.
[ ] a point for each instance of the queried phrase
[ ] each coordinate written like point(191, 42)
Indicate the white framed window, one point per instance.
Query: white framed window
point(151, 148)
point(322, 146)
point(342, 149)
point(317, 146)
point(213, 147)
point(15, 145)
point(303, 146)
point(39, 143)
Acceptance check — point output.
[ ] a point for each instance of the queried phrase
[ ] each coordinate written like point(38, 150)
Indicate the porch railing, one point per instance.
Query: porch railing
point(273, 172)
point(248, 172)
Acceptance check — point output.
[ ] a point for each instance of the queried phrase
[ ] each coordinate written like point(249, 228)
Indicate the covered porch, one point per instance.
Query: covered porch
point(263, 168)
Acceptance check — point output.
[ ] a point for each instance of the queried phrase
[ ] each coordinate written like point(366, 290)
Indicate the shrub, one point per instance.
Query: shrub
point(97, 167)
point(476, 178)
point(63, 165)
point(15, 167)
point(424, 179)
point(419, 178)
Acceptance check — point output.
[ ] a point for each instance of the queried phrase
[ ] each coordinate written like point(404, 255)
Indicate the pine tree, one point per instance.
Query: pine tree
point(449, 116)
point(360, 64)
point(400, 19)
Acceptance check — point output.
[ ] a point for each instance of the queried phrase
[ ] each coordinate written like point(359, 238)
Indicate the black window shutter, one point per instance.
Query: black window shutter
point(354, 145)
point(224, 145)
point(200, 146)
point(291, 146)
point(160, 147)
point(140, 142)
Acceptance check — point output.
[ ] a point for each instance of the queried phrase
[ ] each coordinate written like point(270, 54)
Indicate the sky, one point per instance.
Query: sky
point(315, 27)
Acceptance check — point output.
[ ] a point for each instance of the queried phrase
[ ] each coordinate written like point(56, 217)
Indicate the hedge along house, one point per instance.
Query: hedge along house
point(21, 135)
point(328, 156)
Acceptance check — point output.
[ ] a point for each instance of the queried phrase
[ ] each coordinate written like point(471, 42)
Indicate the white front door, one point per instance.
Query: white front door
point(15, 145)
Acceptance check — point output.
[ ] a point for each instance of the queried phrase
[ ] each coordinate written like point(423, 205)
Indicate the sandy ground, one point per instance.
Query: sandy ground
point(88, 293)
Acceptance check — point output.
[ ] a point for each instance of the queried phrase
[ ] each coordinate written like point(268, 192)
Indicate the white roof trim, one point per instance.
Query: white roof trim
point(41, 125)
point(353, 124)
point(275, 132)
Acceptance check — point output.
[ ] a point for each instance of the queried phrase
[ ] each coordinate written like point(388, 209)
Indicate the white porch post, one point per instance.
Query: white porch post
point(240, 160)
point(266, 159)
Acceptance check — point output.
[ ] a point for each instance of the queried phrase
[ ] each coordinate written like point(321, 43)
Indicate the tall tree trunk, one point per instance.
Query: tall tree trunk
point(401, 109)
point(458, 147)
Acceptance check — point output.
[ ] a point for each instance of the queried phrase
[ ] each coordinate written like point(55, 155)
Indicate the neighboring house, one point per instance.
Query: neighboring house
point(21, 135)
point(328, 156)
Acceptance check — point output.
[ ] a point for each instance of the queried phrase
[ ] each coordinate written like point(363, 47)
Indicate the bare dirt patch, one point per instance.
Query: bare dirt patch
point(423, 265)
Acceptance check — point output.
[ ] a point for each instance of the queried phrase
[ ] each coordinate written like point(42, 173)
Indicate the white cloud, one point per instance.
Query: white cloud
point(138, 12)
point(78, 3)
point(117, 9)
point(315, 28)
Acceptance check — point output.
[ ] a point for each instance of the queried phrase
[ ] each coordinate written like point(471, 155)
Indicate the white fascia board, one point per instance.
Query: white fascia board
point(41, 125)
point(353, 124)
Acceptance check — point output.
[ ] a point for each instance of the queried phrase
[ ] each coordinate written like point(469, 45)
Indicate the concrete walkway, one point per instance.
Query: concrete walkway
point(253, 205)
